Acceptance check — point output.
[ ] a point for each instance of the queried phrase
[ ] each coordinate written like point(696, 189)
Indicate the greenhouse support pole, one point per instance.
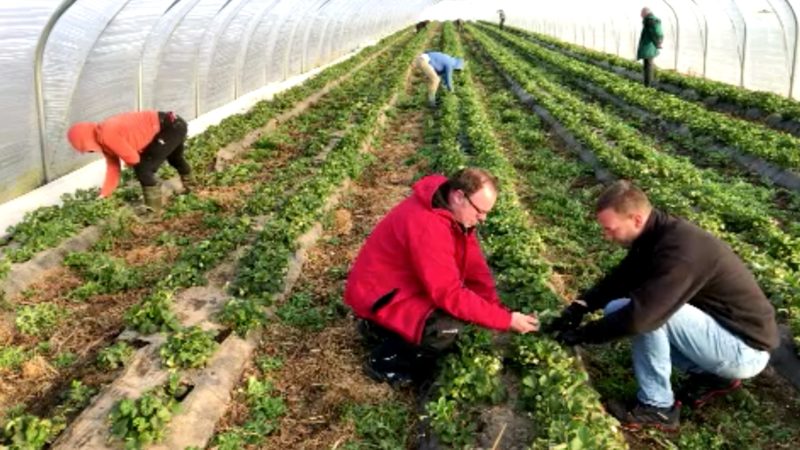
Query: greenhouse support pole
point(38, 63)
point(705, 38)
point(677, 32)
point(796, 45)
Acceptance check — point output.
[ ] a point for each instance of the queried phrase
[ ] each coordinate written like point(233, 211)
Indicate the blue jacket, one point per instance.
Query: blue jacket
point(444, 65)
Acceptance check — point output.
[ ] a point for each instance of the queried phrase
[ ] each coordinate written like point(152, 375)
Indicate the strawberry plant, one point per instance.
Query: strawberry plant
point(141, 422)
point(153, 314)
point(38, 320)
point(188, 348)
point(242, 315)
point(114, 356)
point(27, 432)
point(102, 273)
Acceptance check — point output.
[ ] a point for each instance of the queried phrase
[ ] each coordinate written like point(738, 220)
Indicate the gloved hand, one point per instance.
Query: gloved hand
point(571, 337)
point(569, 319)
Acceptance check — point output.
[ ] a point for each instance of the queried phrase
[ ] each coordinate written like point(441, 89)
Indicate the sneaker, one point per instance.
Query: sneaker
point(641, 415)
point(700, 388)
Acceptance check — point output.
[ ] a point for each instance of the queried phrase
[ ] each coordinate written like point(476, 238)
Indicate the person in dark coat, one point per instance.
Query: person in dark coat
point(684, 298)
point(502, 15)
point(649, 43)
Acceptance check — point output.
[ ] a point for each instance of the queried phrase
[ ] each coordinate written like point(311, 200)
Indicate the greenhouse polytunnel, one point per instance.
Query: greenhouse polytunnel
point(429, 224)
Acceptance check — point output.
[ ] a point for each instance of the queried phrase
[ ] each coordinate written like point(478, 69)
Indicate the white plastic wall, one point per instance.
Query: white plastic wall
point(749, 43)
point(97, 58)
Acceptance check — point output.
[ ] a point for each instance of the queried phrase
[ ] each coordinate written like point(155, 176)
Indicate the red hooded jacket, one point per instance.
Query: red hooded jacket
point(431, 261)
point(123, 136)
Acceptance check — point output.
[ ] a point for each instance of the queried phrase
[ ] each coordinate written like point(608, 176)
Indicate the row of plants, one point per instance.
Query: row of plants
point(48, 226)
point(297, 210)
point(623, 152)
point(191, 346)
point(747, 137)
point(561, 191)
point(768, 102)
point(514, 249)
point(747, 208)
point(294, 214)
point(702, 149)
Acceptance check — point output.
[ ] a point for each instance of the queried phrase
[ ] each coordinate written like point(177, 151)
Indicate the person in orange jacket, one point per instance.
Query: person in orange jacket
point(144, 140)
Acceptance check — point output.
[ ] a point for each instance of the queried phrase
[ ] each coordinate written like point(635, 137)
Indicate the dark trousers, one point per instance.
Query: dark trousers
point(502, 21)
point(391, 353)
point(649, 72)
point(167, 145)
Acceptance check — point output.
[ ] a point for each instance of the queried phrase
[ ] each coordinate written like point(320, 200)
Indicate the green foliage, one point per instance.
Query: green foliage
point(301, 311)
point(141, 422)
point(188, 348)
point(46, 227)
point(11, 358)
point(383, 426)
point(265, 410)
point(103, 274)
point(242, 315)
point(39, 320)
point(114, 356)
point(153, 314)
point(27, 432)
point(268, 364)
point(65, 359)
point(237, 173)
point(183, 204)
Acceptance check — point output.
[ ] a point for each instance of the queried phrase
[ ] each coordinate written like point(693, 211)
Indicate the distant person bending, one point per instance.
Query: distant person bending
point(144, 140)
point(435, 66)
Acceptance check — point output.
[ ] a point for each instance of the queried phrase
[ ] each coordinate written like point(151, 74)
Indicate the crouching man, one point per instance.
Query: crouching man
point(421, 276)
point(684, 298)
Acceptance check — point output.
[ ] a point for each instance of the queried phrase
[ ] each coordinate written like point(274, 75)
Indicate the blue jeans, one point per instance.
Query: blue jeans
point(692, 341)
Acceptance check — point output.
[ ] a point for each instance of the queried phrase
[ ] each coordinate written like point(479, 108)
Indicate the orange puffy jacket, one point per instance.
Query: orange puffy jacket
point(123, 136)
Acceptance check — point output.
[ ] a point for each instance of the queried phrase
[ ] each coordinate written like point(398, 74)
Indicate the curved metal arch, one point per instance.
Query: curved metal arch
point(677, 31)
point(39, 67)
point(208, 46)
point(38, 81)
point(786, 40)
point(705, 38)
point(249, 32)
point(793, 9)
point(303, 23)
point(321, 54)
point(744, 44)
point(158, 39)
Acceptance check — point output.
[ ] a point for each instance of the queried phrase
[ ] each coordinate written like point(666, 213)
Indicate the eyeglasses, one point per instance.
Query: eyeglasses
point(478, 210)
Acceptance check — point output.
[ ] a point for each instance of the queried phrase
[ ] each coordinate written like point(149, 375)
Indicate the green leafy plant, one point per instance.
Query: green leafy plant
point(300, 311)
point(65, 359)
point(39, 320)
point(114, 356)
point(153, 314)
point(12, 357)
point(27, 432)
point(382, 426)
point(242, 315)
point(186, 348)
point(103, 274)
point(142, 421)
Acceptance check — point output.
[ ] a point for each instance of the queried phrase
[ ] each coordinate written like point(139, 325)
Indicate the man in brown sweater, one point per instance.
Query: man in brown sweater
point(686, 300)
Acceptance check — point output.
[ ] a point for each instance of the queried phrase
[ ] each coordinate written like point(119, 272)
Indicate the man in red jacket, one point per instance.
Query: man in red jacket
point(144, 140)
point(421, 276)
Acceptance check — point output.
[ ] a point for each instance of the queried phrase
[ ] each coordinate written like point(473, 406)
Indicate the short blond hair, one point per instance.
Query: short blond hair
point(623, 197)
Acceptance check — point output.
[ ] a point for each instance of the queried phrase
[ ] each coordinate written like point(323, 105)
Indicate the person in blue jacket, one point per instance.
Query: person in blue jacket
point(435, 66)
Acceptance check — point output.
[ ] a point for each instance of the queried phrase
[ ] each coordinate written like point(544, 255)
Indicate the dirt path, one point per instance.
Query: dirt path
point(321, 375)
